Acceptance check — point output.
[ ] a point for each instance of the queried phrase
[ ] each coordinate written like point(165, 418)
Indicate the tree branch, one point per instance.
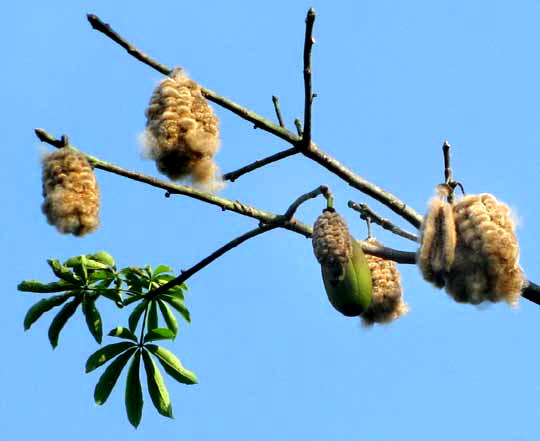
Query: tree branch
point(224, 204)
point(232, 176)
point(235, 242)
point(314, 153)
point(530, 292)
point(106, 29)
point(275, 100)
point(209, 259)
point(308, 95)
point(367, 213)
point(323, 189)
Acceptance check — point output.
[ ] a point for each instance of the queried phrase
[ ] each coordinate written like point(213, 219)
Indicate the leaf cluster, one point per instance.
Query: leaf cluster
point(81, 281)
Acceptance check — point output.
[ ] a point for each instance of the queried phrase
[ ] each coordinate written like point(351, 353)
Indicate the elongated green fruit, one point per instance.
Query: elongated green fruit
point(350, 295)
point(344, 267)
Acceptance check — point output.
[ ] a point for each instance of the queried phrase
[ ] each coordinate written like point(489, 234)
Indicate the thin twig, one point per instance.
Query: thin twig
point(232, 176)
point(368, 213)
point(225, 204)
point(298, 125)
point(235, 242)
point(314, 153)
point(394, 203)
point(275, 100)
point(323, 189)
point(209, 259)
point(308, 94)
point(106, 29)
point(448, 172)
point(447, 168)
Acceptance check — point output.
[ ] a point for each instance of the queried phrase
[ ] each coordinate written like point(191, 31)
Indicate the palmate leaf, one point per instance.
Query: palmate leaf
point(92, 317)
point(135, 315)
point(122, 332)
point(133, 397)
point(110, 376)
point(61, 319)
point(152, 319)
point(44, 305)
point(172, 365)
point(168, 316)
point(156, 387)
point(64, 273)
point(177, 304)
point(162, 269)
point(159, 334)
point(40, 287)
point(103, 257)
point(106, 353)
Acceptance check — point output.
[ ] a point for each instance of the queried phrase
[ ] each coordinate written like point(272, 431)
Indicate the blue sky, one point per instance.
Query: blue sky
point(274, 360)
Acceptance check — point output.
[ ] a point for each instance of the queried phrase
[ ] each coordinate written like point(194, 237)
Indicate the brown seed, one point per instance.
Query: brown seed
point(71, 192)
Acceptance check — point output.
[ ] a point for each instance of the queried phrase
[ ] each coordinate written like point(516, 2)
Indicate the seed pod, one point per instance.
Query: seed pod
point(344, 266)
point(486, 266)
point(182, 132)
point(438, 240)
point(387, 302)
point(71, 192)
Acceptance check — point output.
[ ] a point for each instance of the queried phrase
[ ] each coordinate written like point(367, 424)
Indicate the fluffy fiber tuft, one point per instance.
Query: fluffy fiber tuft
point(182, 132)
point(71, 192)
point(332, 242)
point(486, 266)
point(438, 241)
point(387, 302)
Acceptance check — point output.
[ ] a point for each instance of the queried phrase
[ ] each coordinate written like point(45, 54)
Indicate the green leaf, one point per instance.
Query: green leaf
point(110, 376)
point(93, 318)
point(176, 291)
point(103, 355)
point(78, 264)
point(103, 257)
point(172, 365)
point(63, 272)
point(112, 294)
point(44, 305)
point(152, 319)
point(104, 275)
point(162, 269)
point(122, 332)
point(36, 286)
point(132, 299)
point(88, 261)
point(61, 319)
point(159, 334)
point(168, 316)
point(177, 304)
point(135, 315)
point(135, 279)
point(156, 387)
point(134, 398)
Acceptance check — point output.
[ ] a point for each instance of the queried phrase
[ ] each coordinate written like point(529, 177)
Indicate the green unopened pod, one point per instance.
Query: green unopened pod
point(344, 267)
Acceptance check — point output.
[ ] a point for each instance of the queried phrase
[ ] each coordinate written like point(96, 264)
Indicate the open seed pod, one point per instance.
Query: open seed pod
point(71, 192)
point(387, 301)
point(182, 132)
point(344, 266)
point(438, 240)
point(486, 263)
